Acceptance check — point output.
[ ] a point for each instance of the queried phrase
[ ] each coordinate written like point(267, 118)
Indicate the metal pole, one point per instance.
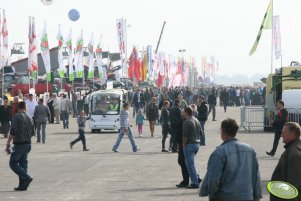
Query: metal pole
point(160, 37)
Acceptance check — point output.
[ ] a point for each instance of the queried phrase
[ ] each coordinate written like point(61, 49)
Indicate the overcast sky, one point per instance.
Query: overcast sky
point(224, 28)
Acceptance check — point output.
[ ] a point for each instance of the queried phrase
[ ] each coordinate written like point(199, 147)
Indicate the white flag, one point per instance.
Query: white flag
point(91, 58)
point(276, 36)
point(70, 55)
point(60, 39)
point(45, 52)
point(5, 52)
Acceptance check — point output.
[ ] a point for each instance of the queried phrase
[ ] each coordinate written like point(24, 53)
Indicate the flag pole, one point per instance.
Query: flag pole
point(272, 37)
point(45, 66)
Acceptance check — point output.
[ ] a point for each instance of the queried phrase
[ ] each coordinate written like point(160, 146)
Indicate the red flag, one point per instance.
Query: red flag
point(132, 63)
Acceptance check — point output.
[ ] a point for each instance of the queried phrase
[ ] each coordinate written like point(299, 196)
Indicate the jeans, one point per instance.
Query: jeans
point(65, 118)
point(212, 107)
point(39, 126)
point(190, 151)
point(80, 138)
point(18, 161)
point(131, 138)
point(225, 104)
point(181, 162)
point(202, 134)
point(74, 108)
point(276, 140)
point(165, 131)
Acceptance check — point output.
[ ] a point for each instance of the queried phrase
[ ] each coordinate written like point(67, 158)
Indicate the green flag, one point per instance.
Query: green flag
point(267, 23)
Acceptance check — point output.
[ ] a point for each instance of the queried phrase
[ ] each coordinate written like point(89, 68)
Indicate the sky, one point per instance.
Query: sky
point(224, 28)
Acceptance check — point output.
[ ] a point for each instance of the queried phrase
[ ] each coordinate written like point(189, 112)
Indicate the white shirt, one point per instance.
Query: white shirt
point(237, 92)
point(56, 103)
point(30, 107)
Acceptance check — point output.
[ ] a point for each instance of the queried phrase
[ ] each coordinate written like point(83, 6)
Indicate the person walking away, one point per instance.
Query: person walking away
point(65, 110)
point(212, 104)
point(81, 121)
point(165, 124)
point(125, 129)
point(278, 123)
point(139, 122)
point(191, 144)
point(288, 168)
point(194, 111)
point(5, 117)
point(14, 107)
point(225, 99)
point(147, 98)
point(56, 107)
point(232, 170)
point(202, 109)
point(22, 130)
point(176, 125)
point(152, 113)
point(181, 158)
point(247, 96)
point(51, 109)
point(41, 114)
point(74, 103)
point(30, 107)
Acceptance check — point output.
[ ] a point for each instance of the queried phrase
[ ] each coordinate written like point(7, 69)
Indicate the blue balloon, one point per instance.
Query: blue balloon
point(73, 15)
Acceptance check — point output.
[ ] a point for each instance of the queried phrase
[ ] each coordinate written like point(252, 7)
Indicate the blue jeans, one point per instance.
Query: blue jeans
point(74, 108)
point(65, 118)
point(131, 138)
point(202, 134)
point(18, 161)
point(190, 151)
point(41, 125)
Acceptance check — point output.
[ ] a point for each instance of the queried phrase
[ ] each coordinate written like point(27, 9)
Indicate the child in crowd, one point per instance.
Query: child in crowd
point(81, 121)
point(194, 111)
point(139, 122)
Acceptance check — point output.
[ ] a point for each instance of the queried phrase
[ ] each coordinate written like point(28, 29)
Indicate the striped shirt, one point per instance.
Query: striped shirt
point(124, 119)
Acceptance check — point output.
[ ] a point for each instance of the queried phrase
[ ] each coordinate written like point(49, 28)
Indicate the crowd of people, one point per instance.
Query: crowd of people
point(232, 167)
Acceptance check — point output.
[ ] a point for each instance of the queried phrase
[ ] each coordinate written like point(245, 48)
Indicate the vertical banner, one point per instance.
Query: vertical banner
point(78, 60)
point(45, 53)
point(149, 61)
point(91, 58)
point(5, 51)
point(276, 36)
point(121, 34)
point(34, 51)
point(29, 46)
point(60, 57)
point(101, 70)
point(70, 55)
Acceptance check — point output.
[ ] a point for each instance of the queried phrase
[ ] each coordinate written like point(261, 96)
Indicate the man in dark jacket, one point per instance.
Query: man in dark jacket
point(202, 109)
point(41, 115)
point(212, 104)
point(22, 130)
point(5, 117)
point(138, 100)
point(278, 123)
point(225, 99)
point(176, 124)
point(165, 123)
point(288, 168)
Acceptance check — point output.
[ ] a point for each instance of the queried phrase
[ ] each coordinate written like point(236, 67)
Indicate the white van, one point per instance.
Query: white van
point(105, 107)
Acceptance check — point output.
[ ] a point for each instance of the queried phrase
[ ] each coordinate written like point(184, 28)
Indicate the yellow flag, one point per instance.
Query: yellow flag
point(267, 23)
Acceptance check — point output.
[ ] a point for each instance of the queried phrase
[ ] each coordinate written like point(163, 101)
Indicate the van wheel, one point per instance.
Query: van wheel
point(118, 130)
point(92, 130)
point(99, 130)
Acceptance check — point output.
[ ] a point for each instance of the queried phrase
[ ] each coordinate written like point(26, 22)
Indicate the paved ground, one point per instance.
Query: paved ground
point(100, 174)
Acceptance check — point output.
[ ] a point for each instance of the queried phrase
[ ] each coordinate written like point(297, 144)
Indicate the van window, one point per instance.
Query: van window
point(105, 104)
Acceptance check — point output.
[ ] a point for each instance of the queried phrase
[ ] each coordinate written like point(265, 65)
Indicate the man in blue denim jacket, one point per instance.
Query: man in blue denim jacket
point(232, 172)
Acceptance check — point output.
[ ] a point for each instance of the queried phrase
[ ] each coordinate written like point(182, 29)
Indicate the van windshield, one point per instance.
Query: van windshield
point(105, 104)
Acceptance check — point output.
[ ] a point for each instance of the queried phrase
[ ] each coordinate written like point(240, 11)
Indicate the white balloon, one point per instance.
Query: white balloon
point(47, 2)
